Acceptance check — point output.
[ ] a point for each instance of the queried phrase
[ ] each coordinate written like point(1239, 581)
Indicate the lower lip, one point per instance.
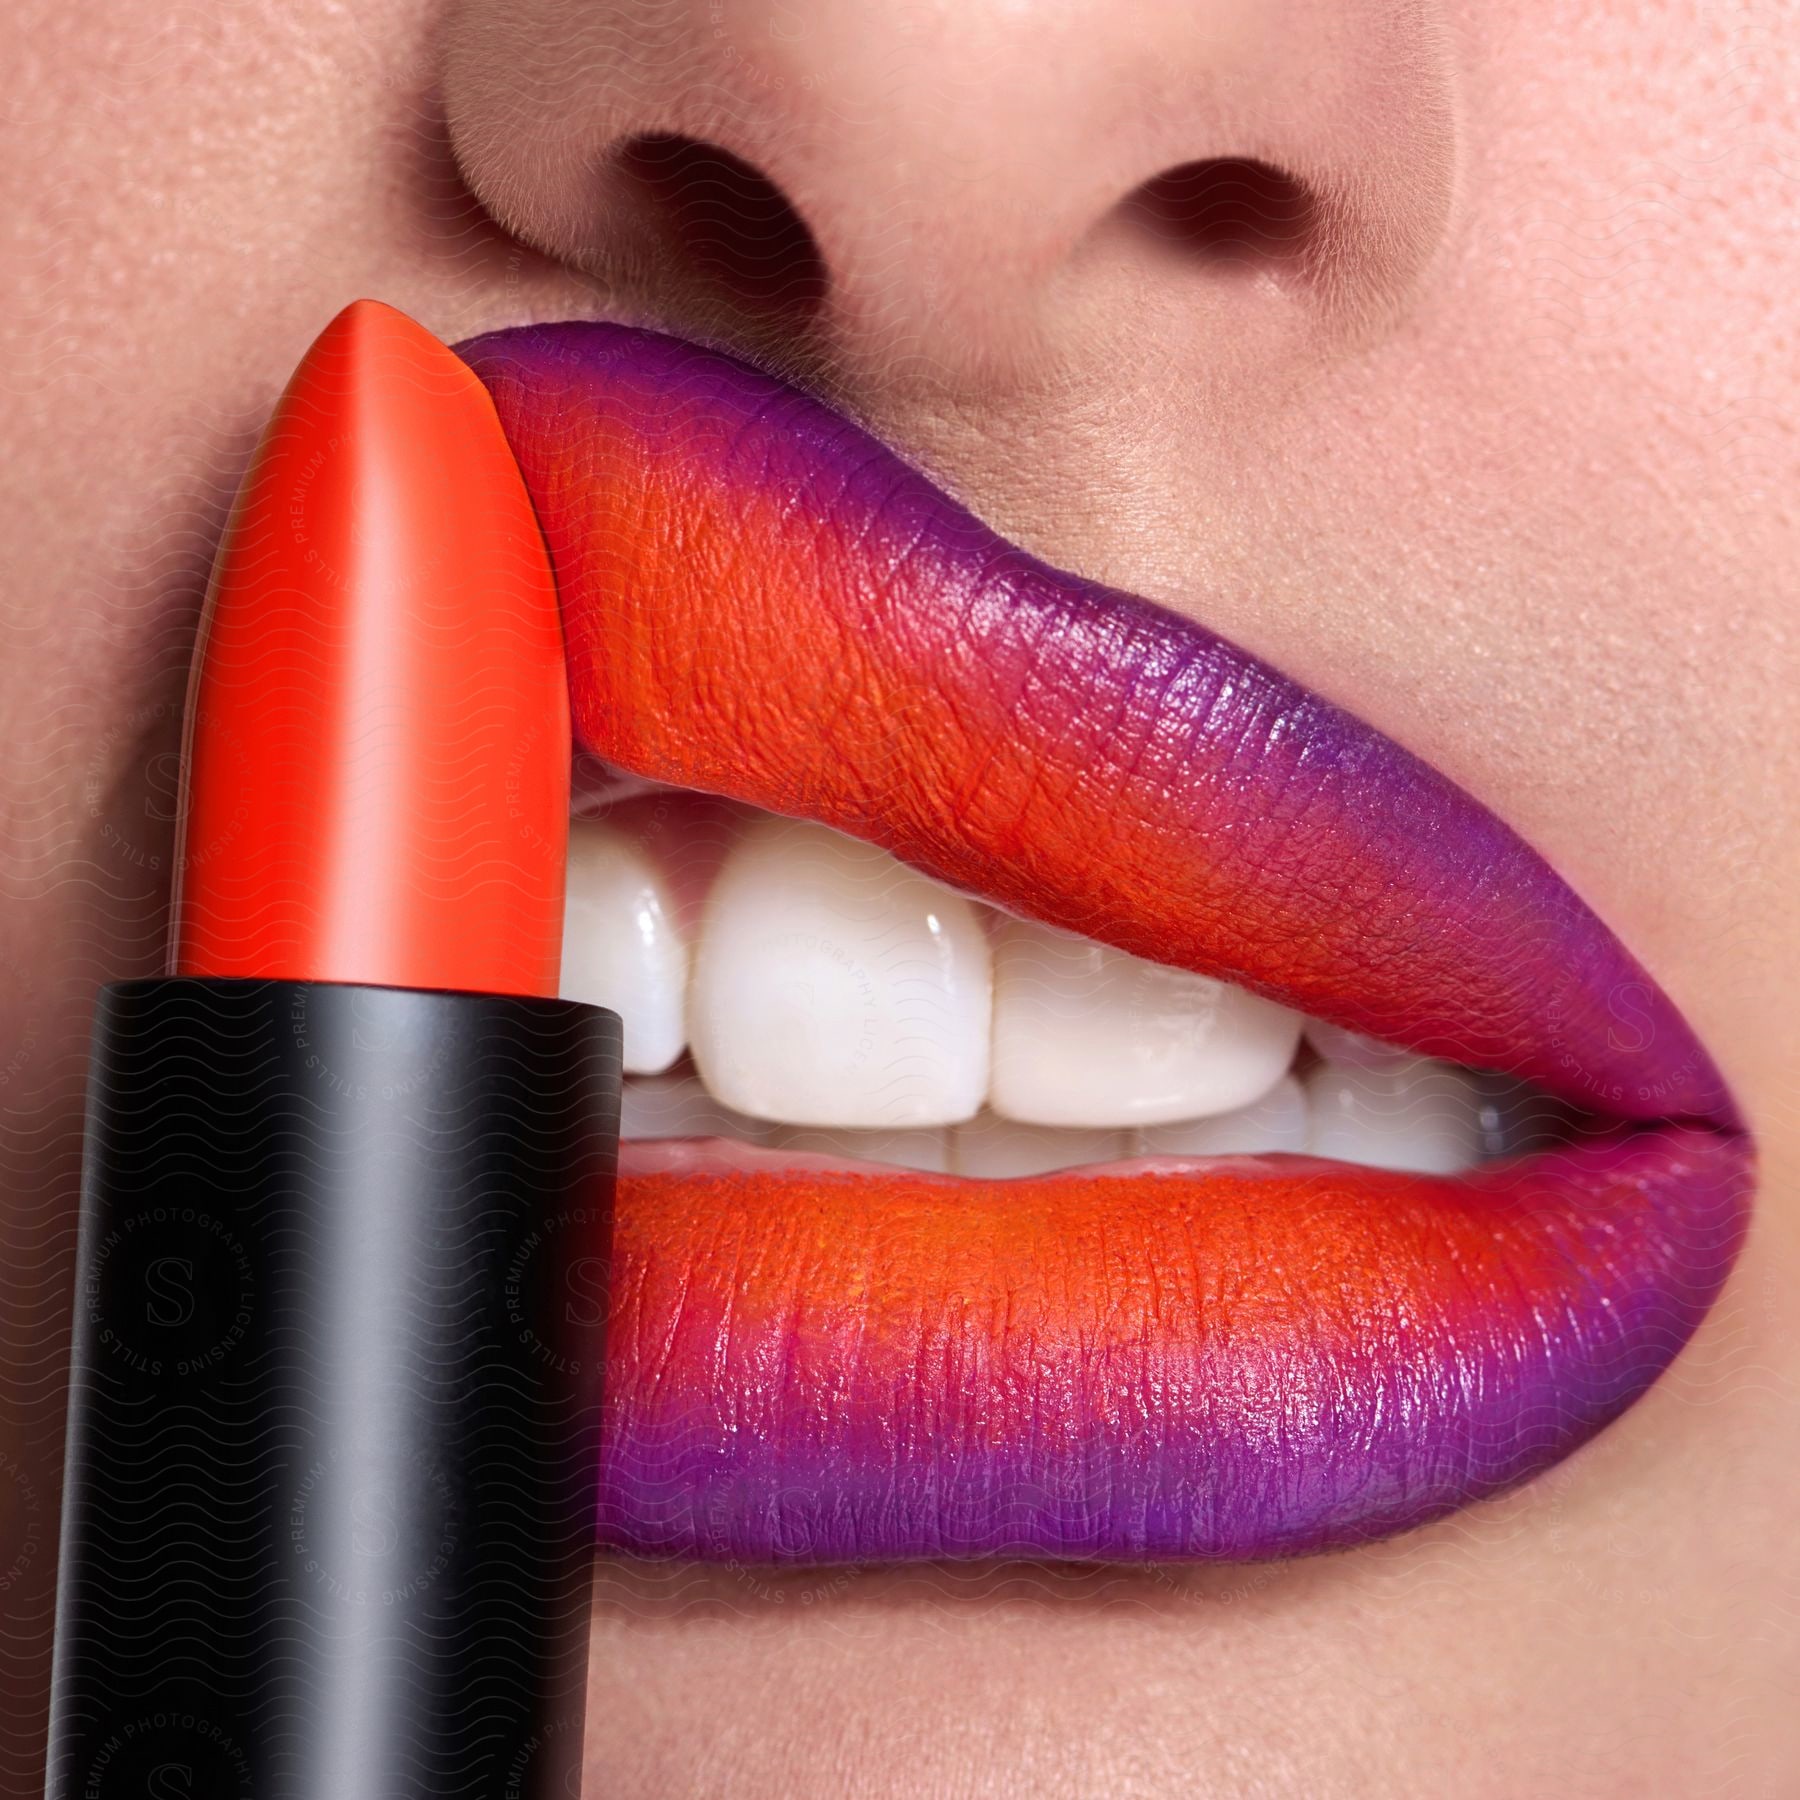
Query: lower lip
point(1230, 1360)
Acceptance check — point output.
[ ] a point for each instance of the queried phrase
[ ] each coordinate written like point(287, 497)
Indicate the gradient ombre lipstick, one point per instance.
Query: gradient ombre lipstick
point(1253, 1358)
point(330, 1487)
point(1214, 1359)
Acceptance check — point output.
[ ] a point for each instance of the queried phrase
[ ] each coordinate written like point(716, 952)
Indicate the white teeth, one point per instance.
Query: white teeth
point(838, 1004)
point(1086, 1035)
point(926, 1150)
point(621, 946)
point(999, 1148)
point(835, 987)
point(1354, 1050)
point(1420, 1115)
point(678, 1106)
point(1276, 1122)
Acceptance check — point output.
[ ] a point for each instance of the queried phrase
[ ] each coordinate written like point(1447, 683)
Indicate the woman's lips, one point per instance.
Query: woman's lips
point(1235, 1359)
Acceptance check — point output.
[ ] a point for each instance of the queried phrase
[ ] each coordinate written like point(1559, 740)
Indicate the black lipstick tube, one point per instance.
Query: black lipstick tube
point(339, 1329)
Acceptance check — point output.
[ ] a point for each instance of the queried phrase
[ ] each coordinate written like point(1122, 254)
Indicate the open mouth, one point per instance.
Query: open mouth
point(1093, 1097)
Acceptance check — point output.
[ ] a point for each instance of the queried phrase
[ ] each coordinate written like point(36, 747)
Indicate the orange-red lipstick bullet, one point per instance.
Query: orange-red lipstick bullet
point(330, 1483)
point(377, 761)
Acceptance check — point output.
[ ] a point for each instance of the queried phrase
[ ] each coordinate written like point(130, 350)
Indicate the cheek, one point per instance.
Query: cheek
point(1574, 450)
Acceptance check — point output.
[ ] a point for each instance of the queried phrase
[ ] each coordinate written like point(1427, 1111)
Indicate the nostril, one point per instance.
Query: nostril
point(1234, 214)
point(731, 225)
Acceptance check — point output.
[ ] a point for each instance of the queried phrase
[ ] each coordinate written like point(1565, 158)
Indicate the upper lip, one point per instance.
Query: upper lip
point(762, 601)
point(1068, 751)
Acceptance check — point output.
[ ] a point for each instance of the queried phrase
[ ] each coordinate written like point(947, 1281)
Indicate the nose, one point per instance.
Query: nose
point(972, 188)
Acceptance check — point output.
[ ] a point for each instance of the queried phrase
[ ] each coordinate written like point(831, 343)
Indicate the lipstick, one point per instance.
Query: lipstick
point(331, 1468)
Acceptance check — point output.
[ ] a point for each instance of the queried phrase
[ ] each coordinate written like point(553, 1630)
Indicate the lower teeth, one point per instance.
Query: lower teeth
point(1444, 1121)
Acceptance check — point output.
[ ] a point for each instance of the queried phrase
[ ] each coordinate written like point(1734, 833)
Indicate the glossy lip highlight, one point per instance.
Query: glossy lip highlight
point(1226, 1359)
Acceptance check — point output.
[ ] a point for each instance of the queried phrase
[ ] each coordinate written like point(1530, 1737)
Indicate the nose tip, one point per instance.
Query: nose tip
point(968, 187)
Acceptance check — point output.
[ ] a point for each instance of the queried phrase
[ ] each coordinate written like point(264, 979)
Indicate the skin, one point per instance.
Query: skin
point(1506, 465)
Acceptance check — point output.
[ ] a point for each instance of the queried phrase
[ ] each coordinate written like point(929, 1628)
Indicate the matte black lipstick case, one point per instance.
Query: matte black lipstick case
point(340, 1323)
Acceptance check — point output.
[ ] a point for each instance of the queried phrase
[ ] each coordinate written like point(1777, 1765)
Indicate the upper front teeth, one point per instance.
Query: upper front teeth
point(622, 947)
point(829, 989)
point(834, 986)
point(1087, 1035)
